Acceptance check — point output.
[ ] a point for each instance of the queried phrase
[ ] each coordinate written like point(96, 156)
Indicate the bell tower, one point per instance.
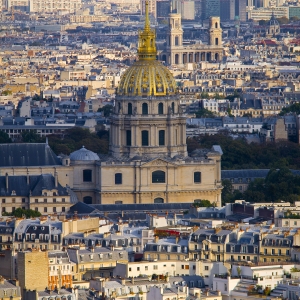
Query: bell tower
point(215, 32)
point(175, 32)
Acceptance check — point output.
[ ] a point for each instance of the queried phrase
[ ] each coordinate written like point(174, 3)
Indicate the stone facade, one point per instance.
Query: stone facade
point(176, 53)
point(33, 270)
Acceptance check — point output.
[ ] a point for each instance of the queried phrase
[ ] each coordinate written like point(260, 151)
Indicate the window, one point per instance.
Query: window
point(129, 109)
point(173, 107)
point(88, 200)
point(13, 200)
point(118, 178)
point(197, 177)
point(144, 109)
point(128, 137)
point(161, 137)
point(45, 209)
point(158, 200)
point(206, 268)
point(158, 177)
point(145, 138)
point(23, 200)
point(63, 199)
point(54, 209)
point(54, 200)
point(45, 200)
point(3, 200)
point(160, 108)
point(87, 175)
point(36, 200)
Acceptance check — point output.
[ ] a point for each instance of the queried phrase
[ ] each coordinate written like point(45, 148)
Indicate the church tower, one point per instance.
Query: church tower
point(175, 32)
point(147, 119)
point(215, 32)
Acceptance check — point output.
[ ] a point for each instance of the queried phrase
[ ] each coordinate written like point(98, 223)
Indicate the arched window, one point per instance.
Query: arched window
point(145, 109)
point(118, 178)
point(88, 200)
point(161, 137)
point(173, 107)
point(145, 138)
point(197, 177)
point(216, 25)
point(158, 200)
point(160, 108)
point(87, 175)
point(158, 177)
point(129, 109)
point(128, 137)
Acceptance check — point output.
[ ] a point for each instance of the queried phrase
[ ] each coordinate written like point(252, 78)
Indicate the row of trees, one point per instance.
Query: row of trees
point(72, 139)
point(279, 185)
point(238, 154)
point(76, 137)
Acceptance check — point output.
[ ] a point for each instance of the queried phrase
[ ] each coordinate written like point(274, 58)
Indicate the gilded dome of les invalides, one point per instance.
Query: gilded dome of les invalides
point(147, 76)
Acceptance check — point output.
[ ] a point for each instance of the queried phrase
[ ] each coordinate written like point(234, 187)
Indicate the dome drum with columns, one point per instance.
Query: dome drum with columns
point(148, 160)
point(147, 118)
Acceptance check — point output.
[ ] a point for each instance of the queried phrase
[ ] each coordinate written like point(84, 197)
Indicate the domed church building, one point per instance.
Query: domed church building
point(148, 160)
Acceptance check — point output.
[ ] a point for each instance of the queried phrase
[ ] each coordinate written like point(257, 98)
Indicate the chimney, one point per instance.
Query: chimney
point(56, 179)
point(6, 181)
point(156, 238)
point(132, 280)
point(123, 281)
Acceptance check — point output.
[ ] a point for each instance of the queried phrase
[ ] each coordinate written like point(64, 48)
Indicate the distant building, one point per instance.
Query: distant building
point(162, 10)
point(240, 10)
point(33, 270)
point(211, 8)
point(227, 10)
point(294, 11)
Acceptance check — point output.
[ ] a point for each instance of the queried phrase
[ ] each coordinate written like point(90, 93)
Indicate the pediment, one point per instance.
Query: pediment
point(158, 162)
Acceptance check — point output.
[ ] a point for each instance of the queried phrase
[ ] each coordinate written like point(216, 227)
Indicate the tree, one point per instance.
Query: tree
point(294, 108)
point(19, 213)
point(6, 93)
point(204, 113)
point(203, 203)
point(217, 96)
point(231, 97)
point(263, 22)
point(30, 136)
point(4, 138)
point(283, 20)
point(106, 109)
point(204, 95)
point(294, 19)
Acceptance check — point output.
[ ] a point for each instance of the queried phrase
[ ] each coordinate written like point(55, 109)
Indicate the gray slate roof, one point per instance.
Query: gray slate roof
point(27, 155)
point(37, 183)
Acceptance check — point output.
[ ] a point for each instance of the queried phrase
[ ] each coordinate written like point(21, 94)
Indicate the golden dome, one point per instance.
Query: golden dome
point(147, 76)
